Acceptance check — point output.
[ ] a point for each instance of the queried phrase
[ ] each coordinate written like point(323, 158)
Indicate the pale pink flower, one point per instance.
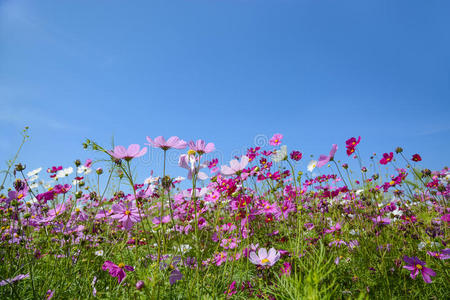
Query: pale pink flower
point(173, 142)
point(235, 166)
point(134, 150)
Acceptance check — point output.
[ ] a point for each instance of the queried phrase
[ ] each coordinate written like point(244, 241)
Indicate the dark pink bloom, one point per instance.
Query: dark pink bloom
point(324, 159)
point(116, 270)
point(201, 147)
point(286, 269)
point(173, 142)
point(231, 290)
point(296, 155)
point(416, 157)
point(416, 266)
point(352, 142)
point(276, 139)
point(88, 163)
point(134, 150)
point(446, 218)
point(386, 158)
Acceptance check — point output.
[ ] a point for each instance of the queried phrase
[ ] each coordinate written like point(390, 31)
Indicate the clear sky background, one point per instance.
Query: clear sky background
point(228, 71)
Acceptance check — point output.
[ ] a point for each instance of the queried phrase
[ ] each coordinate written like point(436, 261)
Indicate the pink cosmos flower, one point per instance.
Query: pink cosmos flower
point(386, 158)
point(173, 142)
point(379, 220)
point(324, 159)
point(334, 228)
point(416, 266)
point(127, 215)
point(134, 150)
point(201, 147)
point(445, 254)
point(236, 167)
point(276, 139)
point(264, 258)
point(116, 270)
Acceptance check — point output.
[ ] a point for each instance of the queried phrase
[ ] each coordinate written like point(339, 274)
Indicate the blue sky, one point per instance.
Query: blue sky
point(318, 72)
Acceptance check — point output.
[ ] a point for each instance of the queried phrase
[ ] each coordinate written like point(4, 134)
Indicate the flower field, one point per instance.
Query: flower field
point(269, 224)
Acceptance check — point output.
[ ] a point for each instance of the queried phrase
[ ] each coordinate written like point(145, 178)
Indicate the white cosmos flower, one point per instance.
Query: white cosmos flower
point(34, 172)
point(312, 165)
point(84, 169)
point(63, 173)
point(99, 253)
point(280, 155)
point(151, 180)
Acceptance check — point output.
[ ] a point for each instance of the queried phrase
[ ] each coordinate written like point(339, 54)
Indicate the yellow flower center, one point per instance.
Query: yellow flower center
point(20, 196)
point(191, 152)
point(265, 261)
point(127, 212)
point(392, 182)
point(419, 267)
point(121, 265)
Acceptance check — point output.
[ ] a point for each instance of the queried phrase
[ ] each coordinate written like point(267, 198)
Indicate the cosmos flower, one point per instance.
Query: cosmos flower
point(296, 155)
point(189, 162)
point(416, 157)
point(386, 158)
point(133, 151)
point(416, 266)
point(235, 167)
point(276, 139)
point(280, 155)
point(264, 258)
point(34, 172)
point(201, 147)
point(312, 165)
point(127, 215)
point(324, 159)
point(116, 270)
point(173, 142)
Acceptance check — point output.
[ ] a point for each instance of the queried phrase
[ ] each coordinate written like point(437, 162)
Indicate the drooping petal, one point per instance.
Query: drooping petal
point(262, 253)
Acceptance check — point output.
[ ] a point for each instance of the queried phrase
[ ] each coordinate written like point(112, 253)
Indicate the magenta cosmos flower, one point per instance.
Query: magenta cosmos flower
point(386, 158)
point(416, 266)
point(235, 167)
point(116, 270)
point(264, 258)
point(324, 159)
point(127, 215)
point(173, 142)
point(134, 150)
point(276, 139)
point(201, 147)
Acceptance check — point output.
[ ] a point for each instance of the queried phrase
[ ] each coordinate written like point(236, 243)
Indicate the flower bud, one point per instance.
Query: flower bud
point(20, 167)
point(139, 285)
point(99, 171)
point(77, 163)
point(399, 150)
